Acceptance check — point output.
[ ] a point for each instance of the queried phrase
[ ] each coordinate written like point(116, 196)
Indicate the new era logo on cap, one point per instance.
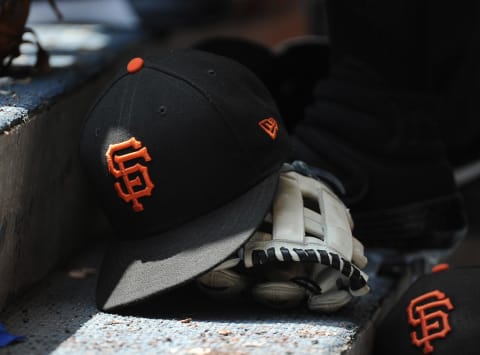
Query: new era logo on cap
point(270, 126)
point(185, 152)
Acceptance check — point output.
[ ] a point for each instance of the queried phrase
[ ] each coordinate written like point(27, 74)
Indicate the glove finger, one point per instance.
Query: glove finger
point(361, 291)
point(224, 285)
point(279, 294)
point(358, 256)
point(329, 302)
point(330, 279)
point(282, 272)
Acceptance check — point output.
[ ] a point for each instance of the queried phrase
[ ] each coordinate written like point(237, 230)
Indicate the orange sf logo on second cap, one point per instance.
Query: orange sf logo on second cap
point(129, 174)
point(429, 312)
point(270, 126)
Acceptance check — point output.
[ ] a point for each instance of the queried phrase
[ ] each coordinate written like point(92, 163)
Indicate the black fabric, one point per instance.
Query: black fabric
point(256, 57)
point(395, 202)
point(300, 64)
point(460, 286)
point(199, 116)
point(413, 48)
point(378, 123)
point(381, 164)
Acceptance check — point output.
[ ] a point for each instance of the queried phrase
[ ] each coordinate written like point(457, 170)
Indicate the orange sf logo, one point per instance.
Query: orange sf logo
point(270, 126)
point(433, 321)
point(116, 167)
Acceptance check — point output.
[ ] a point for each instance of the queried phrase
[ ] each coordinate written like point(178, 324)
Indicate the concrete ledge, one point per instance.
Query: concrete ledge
point(77, 53)
point(45, 206)
point(60, 317)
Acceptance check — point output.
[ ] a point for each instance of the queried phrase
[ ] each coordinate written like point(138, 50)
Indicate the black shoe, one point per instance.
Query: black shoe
point(384, 148)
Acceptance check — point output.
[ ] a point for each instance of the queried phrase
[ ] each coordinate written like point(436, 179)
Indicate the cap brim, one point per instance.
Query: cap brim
point(134, 271)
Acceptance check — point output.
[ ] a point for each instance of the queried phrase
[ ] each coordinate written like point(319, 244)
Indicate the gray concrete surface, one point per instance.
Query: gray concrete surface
point(42, 189)
point(59, 317)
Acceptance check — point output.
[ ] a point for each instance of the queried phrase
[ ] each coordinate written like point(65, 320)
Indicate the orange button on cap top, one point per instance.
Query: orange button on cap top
point(135, 65)
point(440, 267)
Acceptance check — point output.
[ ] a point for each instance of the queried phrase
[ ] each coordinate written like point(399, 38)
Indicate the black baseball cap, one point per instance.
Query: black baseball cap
point(438, 314)
point(184, 151)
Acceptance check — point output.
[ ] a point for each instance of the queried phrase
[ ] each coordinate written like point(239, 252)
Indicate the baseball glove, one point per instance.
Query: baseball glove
point(13, 16)
point(303, 252)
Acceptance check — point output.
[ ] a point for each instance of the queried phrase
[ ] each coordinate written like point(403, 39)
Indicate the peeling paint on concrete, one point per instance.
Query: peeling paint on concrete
point(11, 115)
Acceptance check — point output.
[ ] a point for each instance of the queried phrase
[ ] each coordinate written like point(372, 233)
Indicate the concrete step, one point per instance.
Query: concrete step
point(46, 209)
point(59, 317)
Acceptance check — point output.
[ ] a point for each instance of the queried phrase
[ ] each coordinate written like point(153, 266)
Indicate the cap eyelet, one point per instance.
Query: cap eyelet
point(162, 110)
point(212, 72)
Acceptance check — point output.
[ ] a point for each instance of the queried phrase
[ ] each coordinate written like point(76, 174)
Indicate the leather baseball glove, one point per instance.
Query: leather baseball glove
point(13, 16)
point(303, 253)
